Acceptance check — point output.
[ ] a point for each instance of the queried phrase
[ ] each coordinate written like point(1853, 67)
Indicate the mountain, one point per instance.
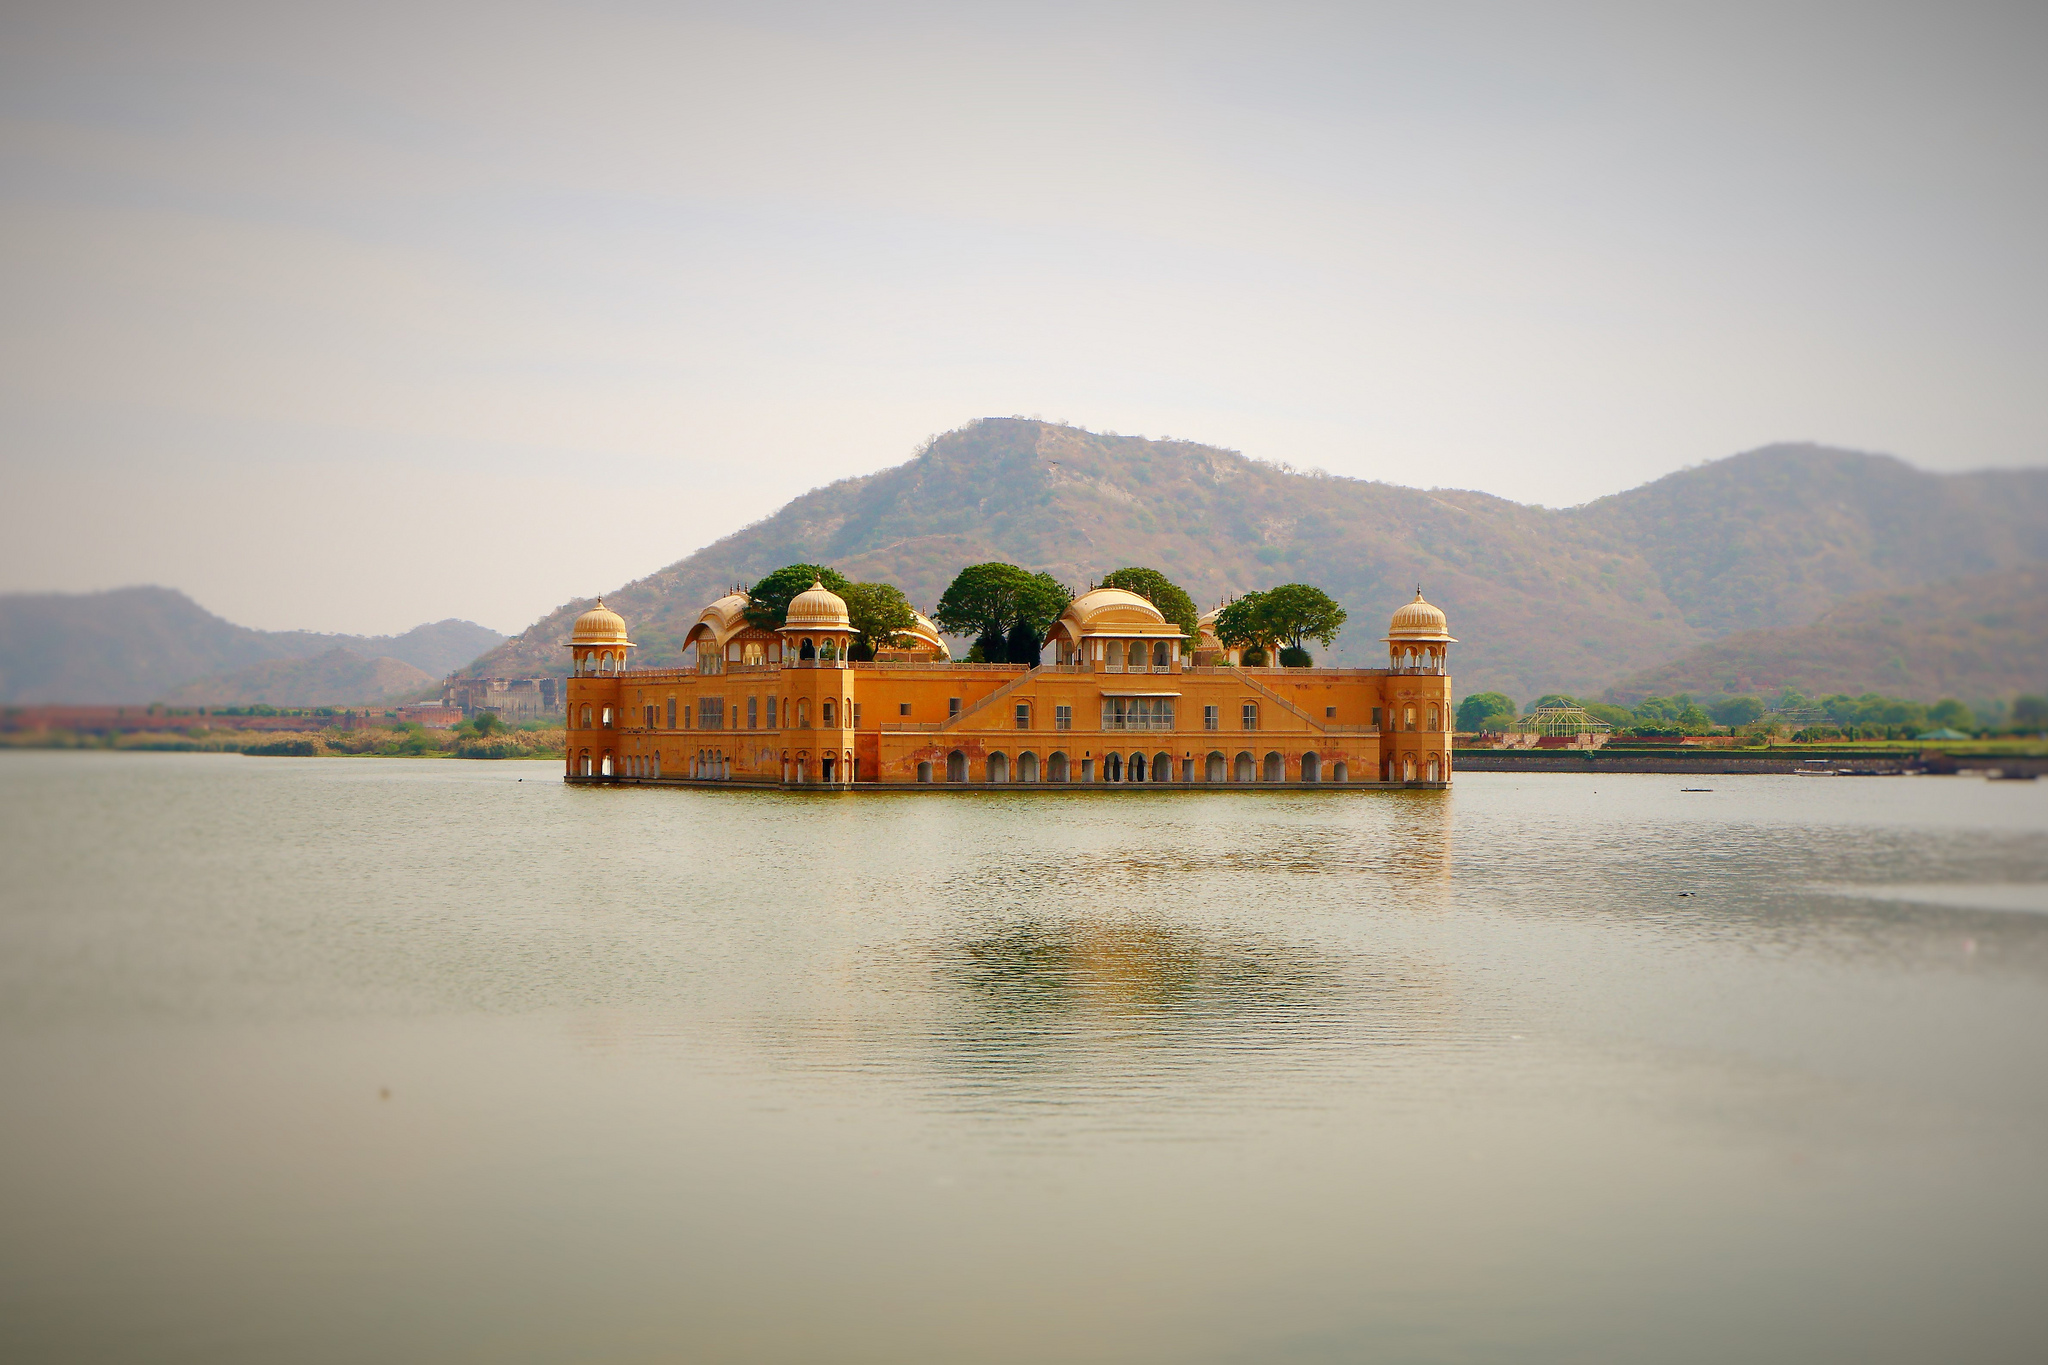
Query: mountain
point(1546, 600)
point(137, 645)
point(340, 677)
point(1972, 638)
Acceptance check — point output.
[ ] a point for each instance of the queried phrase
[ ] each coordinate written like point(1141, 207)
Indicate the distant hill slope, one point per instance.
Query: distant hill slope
point(1545, 600)
point(136, 645)
point(1973, 638)
point(340, 677)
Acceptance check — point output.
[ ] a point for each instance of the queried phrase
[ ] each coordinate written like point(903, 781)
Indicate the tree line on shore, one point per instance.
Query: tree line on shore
point(1836, 716)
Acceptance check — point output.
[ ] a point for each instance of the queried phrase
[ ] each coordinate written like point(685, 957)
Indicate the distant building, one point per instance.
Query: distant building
point(1123, 704)
point(513, 699)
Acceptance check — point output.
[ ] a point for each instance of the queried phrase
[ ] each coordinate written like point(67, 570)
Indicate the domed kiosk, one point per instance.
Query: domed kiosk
point(818, 628)
point(598, 641)
point(1416, 637)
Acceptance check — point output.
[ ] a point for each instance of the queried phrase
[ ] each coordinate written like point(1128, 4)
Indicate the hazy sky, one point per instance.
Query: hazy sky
point(346, 317)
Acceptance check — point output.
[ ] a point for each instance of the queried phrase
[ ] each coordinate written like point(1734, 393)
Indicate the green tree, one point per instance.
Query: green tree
point(768, 600)
point(882, 616)
point(1737, 711)
point(988, 600)
point(1024, 645)
point(1241, 625)
point(1487, 711)
point(1297, 613)
point(2029, 712)
point(1951, 714)
point(1162, 592)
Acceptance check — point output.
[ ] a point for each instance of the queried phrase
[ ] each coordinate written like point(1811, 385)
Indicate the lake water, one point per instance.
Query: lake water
point(329, 1060)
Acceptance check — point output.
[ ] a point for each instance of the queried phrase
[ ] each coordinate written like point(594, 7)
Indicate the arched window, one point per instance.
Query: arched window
point(1162, 767)
point(754, 653)
point(1056, 768)
point(1276, 768)
point(1433, 719)
point(586, 718)
point(1215, 768)
point(1245, 769)
point(1408, 718)
point(825, 713)
point(803, 713)
point(809, 651)
point(1159, 654)
point(1311, 767)
point(956, 766)
point(605, 717)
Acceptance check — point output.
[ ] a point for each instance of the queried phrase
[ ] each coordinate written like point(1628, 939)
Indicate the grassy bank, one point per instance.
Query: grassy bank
point(400, 742)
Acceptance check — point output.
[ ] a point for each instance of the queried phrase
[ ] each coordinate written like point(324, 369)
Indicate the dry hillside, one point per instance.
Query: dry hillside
point(1545, 600)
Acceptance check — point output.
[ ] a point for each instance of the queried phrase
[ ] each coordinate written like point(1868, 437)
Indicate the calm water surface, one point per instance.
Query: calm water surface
point(326, 1060)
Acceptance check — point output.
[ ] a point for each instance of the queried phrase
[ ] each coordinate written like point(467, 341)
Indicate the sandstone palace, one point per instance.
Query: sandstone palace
point(1124, 703)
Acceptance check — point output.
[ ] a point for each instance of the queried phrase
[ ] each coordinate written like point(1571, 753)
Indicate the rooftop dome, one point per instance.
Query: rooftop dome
point(1419, 621)
point(599, 626)
point(1109, 608)
point(927, 633)
point(818, 608)
point(720, 621)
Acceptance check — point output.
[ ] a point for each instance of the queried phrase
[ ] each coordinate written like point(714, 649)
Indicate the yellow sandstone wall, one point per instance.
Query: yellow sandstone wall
point(888, 719)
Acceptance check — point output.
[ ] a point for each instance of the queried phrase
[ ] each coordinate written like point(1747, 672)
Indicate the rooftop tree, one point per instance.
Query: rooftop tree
point(768, 600)
point(989, 600)
point(1162, 592)
point(1290, 614)
point(882, 616)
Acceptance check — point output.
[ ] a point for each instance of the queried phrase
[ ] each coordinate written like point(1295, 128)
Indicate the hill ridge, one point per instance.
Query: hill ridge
point(1548, 599)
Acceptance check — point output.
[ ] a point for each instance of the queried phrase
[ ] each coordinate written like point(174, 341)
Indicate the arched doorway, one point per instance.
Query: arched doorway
point(1112, 768)
point(956, 766)
point(1215, 768)
point(1276, 768)
point(828, 767)
point(1408, 767)
point(1056, 768)
point(1027, 766)
point(1162, 767)
point(1244, 770)
point(1340, 771)
point(586, 763)
point(1135, 769)
point(604, 766)
point(998, 768)
point(1311, 767)
point(1435, 769)
point(924, 770)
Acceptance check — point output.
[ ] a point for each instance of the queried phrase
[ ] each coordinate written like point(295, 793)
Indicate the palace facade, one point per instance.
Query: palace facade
point(1123, 703)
